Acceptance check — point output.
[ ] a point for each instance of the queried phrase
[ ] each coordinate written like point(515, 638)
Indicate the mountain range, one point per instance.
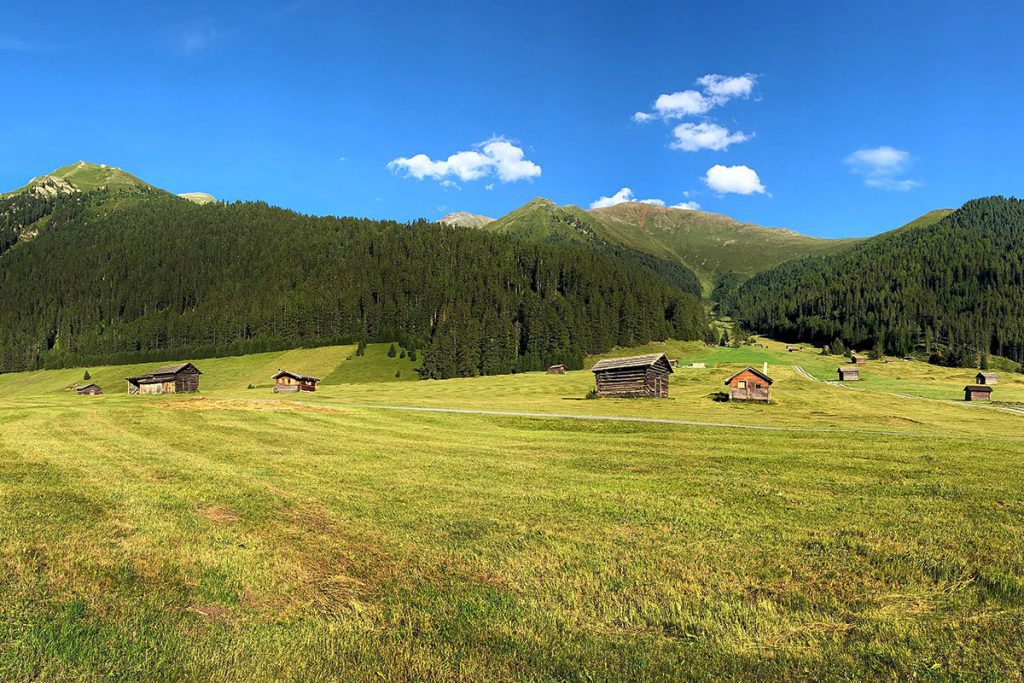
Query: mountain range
point(712, 245)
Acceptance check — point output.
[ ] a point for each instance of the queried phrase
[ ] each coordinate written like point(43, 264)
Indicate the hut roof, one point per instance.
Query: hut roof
point(760, 374)
point(988, 375)
point(87, 387)
point(163, 371)
point(630, 362)
point(978, 387)
point(295, 375)
point(849, 368)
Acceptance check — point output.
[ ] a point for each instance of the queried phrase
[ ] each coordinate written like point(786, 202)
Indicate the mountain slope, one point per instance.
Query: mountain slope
point(109, 274)
point(80, 177)
point(464, 219)
point(710, 245)
point(958, 281)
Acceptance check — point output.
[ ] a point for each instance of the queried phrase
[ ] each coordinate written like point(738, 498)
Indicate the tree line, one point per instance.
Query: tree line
point(954, 290)
point(112, 278)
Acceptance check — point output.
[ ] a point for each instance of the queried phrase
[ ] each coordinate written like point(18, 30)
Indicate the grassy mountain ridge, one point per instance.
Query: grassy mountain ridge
point(711, 245)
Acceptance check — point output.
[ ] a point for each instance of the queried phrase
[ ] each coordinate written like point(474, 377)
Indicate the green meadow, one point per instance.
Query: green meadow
point(840, 532)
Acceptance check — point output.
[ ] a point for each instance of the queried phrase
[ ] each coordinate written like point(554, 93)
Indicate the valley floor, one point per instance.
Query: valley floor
point(240, 534)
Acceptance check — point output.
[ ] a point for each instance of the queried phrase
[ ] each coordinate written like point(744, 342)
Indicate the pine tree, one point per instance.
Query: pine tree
point(87, 376)
point(392, 352)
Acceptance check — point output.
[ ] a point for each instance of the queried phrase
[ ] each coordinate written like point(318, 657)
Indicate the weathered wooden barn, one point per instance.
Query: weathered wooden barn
point(89, 390)
point(858, 360)
point(989, 378)
point(169, 379)
point(849, 374)
point(636, 376)
point(977, 392)
point(291, 382)
point(556, 370)
point(750, 385)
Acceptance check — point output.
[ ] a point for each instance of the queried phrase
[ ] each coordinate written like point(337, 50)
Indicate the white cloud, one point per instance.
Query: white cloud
point(724, 88)
point(715, 91)
point(691, 137)
point(489, 186)
point(620, 197)
point(733, 179)
point(196, 40)
point(883, 168)
point(494, 157)
point(679, 104)
point(626, 195)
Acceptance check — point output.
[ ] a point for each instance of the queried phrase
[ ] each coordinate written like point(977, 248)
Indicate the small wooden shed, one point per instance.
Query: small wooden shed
point(750, 385)
point(556, 370)
point(168, 379)
point(849, 374)
point(89, 390)
point(977, 392)
point(286, 382)
point(858, 360)
point(989, 378)
point(635, 376)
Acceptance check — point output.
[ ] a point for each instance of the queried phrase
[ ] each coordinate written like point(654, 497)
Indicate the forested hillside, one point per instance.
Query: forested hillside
point(132, 274)
point(957, 284)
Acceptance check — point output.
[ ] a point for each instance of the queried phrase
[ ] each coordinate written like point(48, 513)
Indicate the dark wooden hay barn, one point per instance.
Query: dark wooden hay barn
point(556, 370)
point(977, 392)
point(169, 379)
point(849, 374)
point(636, 376)
point(89, 390)
point(988, 378)
point(750, 385)
point(858, 360)
point(286, 382)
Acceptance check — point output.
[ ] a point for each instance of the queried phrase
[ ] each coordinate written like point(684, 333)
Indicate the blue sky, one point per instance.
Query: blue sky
point(834, 119)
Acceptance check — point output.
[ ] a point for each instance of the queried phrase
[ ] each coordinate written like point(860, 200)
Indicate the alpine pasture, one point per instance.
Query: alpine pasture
point(838, 532)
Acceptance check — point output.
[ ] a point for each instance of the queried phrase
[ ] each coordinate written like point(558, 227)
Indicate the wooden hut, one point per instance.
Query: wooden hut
point(858, 360)
point(169, 379)
point(636, 376)
point(988, 378)
point(750, 385)
point(286, 382)
point(849, 374)
point(89, 390)
point(556, 370)
point(977, 392)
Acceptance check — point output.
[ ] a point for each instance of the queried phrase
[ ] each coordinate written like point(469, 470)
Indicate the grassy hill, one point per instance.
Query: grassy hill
point(246, 535)
point(466, 220)
point(84, 177)
point(711, 245)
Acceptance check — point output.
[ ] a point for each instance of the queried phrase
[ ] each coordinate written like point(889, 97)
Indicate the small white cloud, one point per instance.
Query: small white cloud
point(715, 91)
point(883, 168)
point(724, 88)
point(688, 206)
point(450, 184)
point(733, 179)
point(620, 197)
point(489, 186)
point(692, 137)
point(341, 158)
point(494, 157)
point(679, 104)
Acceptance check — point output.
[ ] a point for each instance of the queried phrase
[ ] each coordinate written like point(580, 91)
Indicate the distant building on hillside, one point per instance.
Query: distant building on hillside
point(987, 378)
point(286, 382)
point(556, 370)
point(169, 379)
point(858, 360)
point(89, 390)
point(697, 365)
point(636, 376)
point(849, 374)
point(977, 392)
point(750, 385)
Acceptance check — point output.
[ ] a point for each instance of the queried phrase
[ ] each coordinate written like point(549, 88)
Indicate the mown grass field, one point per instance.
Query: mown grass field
point(240, 535)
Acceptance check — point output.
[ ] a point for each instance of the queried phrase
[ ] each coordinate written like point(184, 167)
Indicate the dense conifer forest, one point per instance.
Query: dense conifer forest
point(954, 289)
point(117, 276)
